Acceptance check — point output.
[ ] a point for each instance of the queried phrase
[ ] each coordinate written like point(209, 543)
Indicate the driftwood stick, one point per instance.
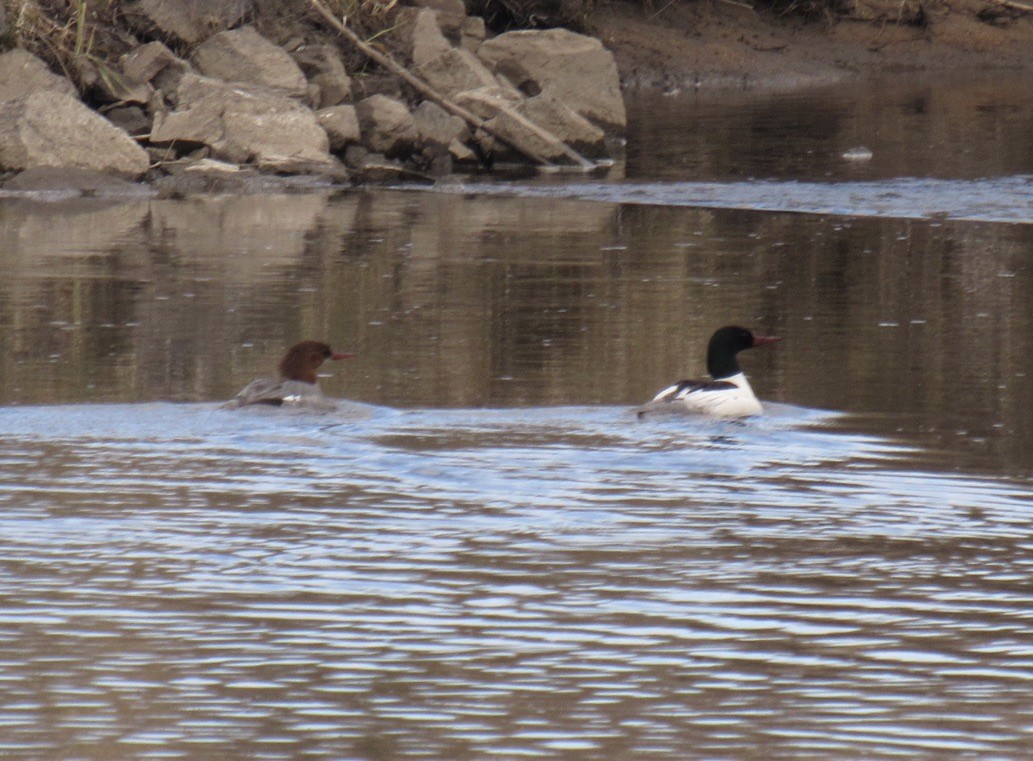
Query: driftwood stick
point(447, 103)
point(1015, 6)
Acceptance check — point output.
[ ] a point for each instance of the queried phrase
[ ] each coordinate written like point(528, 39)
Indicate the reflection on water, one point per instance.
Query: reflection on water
point(481, 301)
point(969, 129)
point(486, 555)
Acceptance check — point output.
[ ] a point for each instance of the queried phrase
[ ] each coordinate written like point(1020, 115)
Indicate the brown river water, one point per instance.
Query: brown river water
point(483, 553)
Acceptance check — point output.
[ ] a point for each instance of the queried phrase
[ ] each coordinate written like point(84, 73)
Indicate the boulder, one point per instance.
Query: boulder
point(50, 128)
point(243, 55)
point(106, 84)
point(145, 62)
point(553, 115)
point(573, 67)
point(193, 88)
point(22, 73)
point(487, 102)
point(462, 152)
point(244, 125)
point(387, 126)
point(472, 34)
point(428, 41)
point(437, 127)
point(130, 118)
point(189, 22)
point(375, 168)
point(451, 14)
point(341, 124)
point(520, 127)
point(323, 67)
point(455, 71)
point(207, 177)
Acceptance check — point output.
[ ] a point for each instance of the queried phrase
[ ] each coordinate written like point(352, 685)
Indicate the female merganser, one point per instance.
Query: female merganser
point(728, 394)
point(297, 384)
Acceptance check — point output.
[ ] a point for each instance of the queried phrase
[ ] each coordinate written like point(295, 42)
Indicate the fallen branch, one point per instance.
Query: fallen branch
point(448, 104)
point(1015, 6)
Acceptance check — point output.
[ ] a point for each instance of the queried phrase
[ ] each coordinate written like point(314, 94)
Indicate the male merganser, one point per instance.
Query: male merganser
point(297, 384)
point(728, 394)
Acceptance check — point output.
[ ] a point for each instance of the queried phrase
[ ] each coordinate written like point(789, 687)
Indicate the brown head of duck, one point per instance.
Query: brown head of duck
point(303, 360)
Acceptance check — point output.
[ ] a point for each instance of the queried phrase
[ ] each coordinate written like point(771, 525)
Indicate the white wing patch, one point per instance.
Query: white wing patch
point(728, 397)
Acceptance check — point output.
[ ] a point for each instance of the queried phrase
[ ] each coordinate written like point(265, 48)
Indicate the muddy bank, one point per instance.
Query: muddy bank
point(725, 44)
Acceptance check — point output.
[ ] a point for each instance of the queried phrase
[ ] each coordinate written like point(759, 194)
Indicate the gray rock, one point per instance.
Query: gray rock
point(189, 22)
point(22, 73)
point(544, 112)
point(438, 127)
point(461, 152)
point(451, 14)
point(374, 169)
point(145, 62)
point(472, 33)
point(323, 67)
point(107, 84)
point(130, 118)
point(244, 125)
point(428, 41)
point(486, 102)
point(193, 88)
point(455, 71)
point(55, 129)
point(341, 124)
point(387, 126)
point(189, 128)
point(207, 177)
point(556, 117)
point(576, 69)
point(243, 55)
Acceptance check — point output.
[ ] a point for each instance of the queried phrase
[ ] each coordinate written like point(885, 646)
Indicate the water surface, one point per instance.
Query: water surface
point(484, 554)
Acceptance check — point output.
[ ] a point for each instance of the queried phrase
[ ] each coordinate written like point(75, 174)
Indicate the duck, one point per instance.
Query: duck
point(297, 384)
point(727, 394)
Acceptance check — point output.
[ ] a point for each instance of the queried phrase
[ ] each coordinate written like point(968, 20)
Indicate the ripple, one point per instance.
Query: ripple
point(998, 199)
point(545, 582)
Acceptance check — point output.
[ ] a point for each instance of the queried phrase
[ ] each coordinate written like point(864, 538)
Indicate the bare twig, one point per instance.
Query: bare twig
point(747, 6)
point(447, 103)
point(1016, 6)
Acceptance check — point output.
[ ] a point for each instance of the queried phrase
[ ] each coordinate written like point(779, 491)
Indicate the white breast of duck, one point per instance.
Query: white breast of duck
point(728, 397)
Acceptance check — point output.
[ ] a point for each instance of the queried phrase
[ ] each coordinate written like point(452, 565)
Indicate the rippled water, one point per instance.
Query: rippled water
point(1008, 199)
point(485, 554)
point(501, 583)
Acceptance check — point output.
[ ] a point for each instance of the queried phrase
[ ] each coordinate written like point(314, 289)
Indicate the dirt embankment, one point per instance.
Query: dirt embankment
point(728, 44)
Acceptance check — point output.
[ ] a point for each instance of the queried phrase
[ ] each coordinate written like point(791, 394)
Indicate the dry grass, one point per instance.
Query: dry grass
point(85, 38)
point(68, 33)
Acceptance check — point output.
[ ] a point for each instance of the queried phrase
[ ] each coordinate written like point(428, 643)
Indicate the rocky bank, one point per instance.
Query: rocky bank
point(207, 103)
point(238, 96)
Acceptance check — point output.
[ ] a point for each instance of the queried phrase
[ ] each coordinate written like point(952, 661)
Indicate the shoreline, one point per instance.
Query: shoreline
point(727, 46)
point(170, 125)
